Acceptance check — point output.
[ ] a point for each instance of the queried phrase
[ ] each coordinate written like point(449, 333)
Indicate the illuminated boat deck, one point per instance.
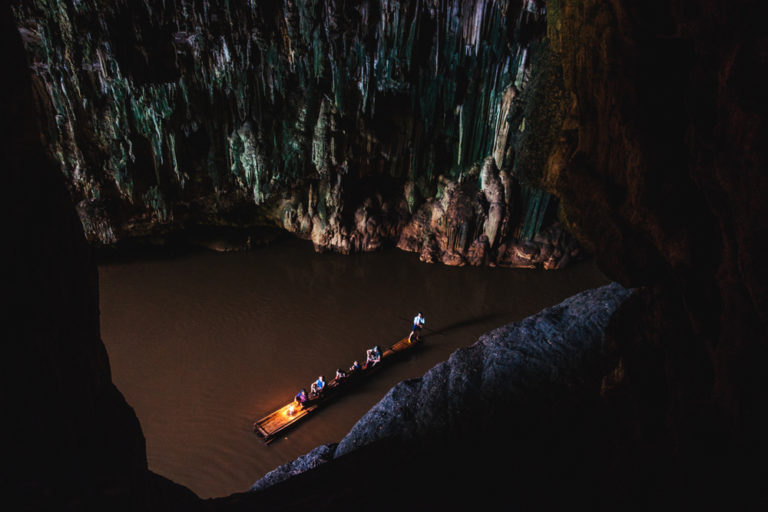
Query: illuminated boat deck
point(271, 425)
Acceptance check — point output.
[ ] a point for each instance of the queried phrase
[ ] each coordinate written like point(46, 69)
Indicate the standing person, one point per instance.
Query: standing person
point(418, 323)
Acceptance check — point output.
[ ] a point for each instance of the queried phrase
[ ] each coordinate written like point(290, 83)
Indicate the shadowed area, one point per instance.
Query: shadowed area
point(490, 317)
point(70, 440)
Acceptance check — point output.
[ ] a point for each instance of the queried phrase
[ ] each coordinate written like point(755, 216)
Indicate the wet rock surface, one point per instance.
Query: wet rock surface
point(311, 460)
point(551, 356)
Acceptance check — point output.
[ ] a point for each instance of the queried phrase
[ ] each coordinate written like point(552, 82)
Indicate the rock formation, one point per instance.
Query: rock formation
point(334, 121)
point(661, 171)
point(652, 133)
point(70, 441)
point(463, 225)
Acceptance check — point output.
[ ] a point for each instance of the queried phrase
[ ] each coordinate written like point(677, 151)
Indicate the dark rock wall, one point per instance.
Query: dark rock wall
point(661, 170)
point(70, 441)
point(333, 120)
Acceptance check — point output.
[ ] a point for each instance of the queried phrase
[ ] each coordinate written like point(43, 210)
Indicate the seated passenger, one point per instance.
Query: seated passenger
point(373, 356)
point(318, 386)
point(355, 366)
point(340, 375)
point(301, 397)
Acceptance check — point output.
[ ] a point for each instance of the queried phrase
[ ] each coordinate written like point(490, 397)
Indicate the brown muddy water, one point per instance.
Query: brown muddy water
point(204, 343)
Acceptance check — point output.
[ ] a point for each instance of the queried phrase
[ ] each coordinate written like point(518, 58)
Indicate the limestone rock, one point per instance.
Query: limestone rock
point(462, 225)
point(311, 460)
point(333, 123)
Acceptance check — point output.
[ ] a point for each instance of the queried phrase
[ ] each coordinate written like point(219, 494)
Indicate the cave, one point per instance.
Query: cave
point(525, 134)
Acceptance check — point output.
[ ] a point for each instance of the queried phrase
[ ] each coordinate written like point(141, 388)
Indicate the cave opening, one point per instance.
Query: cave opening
point(636, 126)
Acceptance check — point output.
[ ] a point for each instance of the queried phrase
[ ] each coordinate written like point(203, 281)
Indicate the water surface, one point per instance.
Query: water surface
point(204, 343)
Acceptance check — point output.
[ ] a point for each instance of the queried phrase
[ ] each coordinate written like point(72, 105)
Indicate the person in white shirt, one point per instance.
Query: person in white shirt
point(418, 323)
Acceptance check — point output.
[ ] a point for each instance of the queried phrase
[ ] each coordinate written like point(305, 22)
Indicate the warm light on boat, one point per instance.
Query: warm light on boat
point(276, 422)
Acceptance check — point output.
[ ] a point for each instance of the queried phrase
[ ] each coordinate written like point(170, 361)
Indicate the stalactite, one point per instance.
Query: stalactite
point(247, 101)
point(535, 203)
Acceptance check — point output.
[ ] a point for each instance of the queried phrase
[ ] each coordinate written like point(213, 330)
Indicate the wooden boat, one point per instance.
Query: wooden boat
point(271, 425)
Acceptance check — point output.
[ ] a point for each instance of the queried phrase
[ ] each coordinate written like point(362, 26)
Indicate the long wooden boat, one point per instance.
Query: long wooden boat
point(271, 425)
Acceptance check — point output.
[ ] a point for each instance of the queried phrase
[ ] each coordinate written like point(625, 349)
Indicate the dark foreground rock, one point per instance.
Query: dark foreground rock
point(70, 440)
point(663, 176)
point(478, 418)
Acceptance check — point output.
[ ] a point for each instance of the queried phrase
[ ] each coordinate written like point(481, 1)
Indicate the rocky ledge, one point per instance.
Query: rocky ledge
point(484, 217)
point(500, 387)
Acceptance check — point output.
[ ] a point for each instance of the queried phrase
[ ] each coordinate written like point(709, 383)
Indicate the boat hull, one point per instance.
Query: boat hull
point(277, 422)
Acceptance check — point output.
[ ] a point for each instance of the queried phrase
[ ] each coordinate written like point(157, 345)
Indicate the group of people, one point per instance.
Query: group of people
point(315, 390)
point(372, 358)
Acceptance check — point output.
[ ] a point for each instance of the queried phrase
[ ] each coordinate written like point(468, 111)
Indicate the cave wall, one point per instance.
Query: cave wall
point(70, 441)
point(335, 120)
point(661, 171)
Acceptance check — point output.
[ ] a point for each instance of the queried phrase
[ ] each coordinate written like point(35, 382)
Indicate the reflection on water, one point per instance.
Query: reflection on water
point(203, 344)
